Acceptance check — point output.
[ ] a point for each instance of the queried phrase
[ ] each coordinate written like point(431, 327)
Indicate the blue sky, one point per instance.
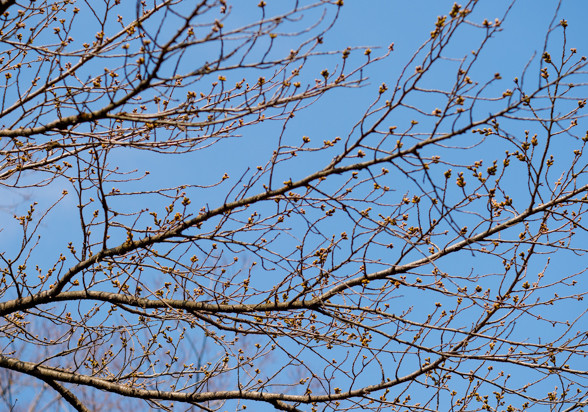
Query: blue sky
point(375, 24)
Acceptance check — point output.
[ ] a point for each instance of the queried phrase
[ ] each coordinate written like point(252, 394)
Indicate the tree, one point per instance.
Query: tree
point(189, 238)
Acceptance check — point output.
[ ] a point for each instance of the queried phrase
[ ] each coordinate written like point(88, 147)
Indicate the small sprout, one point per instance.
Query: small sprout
point(492, 169)
point(454, 10)
point(460, 181)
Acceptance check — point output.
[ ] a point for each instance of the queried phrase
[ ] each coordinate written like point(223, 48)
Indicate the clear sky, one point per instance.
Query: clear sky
point(362, 23)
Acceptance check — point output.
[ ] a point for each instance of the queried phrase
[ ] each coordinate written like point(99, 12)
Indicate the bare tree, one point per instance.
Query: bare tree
point(186, 247)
